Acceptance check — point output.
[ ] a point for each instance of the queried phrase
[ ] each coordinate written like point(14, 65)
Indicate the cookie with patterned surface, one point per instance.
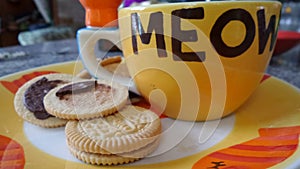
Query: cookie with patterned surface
point(132, 132)
point(114, 159)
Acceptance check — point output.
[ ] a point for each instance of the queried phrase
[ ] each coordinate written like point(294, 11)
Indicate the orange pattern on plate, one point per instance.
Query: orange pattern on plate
point(272, 147)
point(11, 154)
point(265, 77)
point(14, 85)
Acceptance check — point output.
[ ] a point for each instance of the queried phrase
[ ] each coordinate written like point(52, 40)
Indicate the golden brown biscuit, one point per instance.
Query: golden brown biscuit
point(28, 115)
point(111, 60)
point(85, 99)
point(115, 65)
point(128, 135)
point(113, 159)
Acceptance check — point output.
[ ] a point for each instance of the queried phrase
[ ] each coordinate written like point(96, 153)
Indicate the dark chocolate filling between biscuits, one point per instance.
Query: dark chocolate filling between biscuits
point(34, 95)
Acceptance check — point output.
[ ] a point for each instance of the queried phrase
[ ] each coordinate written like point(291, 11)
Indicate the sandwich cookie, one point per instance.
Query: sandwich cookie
point(128, 135)
point(28, 101)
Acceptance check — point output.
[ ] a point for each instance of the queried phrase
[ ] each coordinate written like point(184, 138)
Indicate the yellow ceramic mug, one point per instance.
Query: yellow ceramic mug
point(192, 61)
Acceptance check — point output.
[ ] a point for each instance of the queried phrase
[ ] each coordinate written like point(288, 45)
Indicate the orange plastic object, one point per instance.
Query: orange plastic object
point(101, 13)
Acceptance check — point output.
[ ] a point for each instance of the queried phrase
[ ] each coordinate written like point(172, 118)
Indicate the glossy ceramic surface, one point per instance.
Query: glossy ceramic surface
point(262, 132)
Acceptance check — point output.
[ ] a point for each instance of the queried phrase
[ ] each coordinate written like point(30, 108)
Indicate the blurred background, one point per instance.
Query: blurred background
point(29, 30)
point(26, 22)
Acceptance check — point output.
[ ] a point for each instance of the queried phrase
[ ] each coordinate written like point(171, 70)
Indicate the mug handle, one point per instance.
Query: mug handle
point(87, 39)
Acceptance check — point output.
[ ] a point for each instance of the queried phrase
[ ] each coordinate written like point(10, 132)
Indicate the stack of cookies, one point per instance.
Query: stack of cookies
point(123, 137)
point(101, 127)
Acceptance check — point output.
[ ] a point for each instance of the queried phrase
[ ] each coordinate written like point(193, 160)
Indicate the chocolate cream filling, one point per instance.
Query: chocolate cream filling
point(75, 88)
point(81, 87)
point(34, 95)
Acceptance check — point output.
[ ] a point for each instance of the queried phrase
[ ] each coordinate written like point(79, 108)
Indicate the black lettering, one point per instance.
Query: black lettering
point(155, 25)
point(264, 32)
point(216, 38)
point(179, 36)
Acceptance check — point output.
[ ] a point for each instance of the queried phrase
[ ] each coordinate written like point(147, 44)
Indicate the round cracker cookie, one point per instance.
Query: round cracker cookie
point(114, 159)
point(26, 114)
point(86, 99)
point(100, 159)
point(128, 130)
point(111, 60)
point(115, 65)
point(118, 69)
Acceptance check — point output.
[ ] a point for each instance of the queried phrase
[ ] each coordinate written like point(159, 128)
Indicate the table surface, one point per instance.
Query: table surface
point(25, 57)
